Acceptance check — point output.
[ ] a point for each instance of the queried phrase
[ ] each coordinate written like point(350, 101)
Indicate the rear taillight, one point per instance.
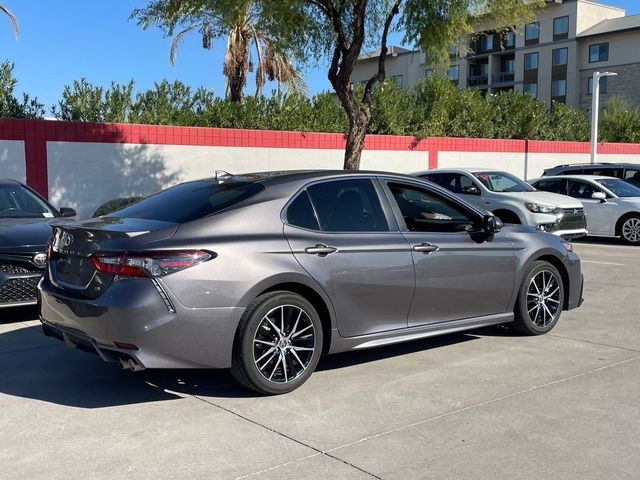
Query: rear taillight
point(149, 264)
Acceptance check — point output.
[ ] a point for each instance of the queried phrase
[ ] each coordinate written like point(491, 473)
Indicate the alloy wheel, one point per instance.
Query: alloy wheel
point(543, 298)
point(284, 343)
point(631, 230)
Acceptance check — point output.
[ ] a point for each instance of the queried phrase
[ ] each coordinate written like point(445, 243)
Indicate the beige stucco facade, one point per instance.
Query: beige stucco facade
point(502, 67)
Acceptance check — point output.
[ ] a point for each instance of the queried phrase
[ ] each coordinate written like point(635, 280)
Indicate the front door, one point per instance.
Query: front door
point(458, 274)
point(600, 215)
point(340, 234)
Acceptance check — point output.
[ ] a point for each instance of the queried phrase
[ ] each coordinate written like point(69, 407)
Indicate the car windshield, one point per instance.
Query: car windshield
point(190, 201)
point(619, 187)
point(16, 201)
point(503, 182)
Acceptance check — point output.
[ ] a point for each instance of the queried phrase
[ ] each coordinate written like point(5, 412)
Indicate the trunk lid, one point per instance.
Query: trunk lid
point(70, 265)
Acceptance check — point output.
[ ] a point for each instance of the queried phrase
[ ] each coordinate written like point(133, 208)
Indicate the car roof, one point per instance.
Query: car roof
point(459, 170)
point(575, 177)
point(594, 165)
point(9, 181)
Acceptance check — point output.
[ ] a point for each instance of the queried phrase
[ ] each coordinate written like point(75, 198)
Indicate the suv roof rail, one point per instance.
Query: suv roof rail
point(585, 164)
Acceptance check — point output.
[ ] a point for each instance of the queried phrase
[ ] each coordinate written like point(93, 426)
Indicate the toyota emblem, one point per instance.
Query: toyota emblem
point(40, 259)
point(67, 239)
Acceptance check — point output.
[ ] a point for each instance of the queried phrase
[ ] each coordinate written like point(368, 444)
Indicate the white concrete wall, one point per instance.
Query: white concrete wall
point(12, 161)
point(85, 175)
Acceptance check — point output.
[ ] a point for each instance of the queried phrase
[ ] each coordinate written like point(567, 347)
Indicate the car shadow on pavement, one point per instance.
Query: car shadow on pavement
point(49, 371)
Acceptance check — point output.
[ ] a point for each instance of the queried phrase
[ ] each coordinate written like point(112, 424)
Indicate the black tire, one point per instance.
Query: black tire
point(538, 309)
point(628, 229)
point(289, 358)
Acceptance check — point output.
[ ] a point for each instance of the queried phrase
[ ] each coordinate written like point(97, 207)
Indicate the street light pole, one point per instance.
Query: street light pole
point(595, 111)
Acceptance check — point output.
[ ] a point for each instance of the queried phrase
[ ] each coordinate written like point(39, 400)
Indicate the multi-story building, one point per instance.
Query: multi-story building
point(552, 58)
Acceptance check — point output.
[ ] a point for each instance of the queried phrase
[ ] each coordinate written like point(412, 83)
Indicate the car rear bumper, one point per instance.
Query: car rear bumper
point(132, 322)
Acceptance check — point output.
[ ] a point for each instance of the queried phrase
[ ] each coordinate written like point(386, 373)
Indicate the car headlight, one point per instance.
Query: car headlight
point(568, 246)
point(540, 208)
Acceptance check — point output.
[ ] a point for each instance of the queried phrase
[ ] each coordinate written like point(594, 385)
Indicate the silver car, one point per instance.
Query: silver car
point(263, 273)
point(612, 205)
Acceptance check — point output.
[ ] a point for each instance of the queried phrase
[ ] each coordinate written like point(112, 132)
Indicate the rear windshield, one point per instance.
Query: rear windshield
point(190, 201)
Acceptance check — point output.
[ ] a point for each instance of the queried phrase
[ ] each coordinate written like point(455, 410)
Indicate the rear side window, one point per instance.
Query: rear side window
point(190, 201)
point(554, 186)
point(348, 206)
point(300, 213)
point(632, 176)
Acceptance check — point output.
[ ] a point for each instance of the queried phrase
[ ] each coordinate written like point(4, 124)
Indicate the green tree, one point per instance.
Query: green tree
point(619, 122)
point(243, 24)
point(340, 30)
point(12, 18)
point(10, 106)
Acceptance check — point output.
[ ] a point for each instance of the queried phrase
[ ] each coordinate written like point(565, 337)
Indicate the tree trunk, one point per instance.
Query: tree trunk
point(355, 138)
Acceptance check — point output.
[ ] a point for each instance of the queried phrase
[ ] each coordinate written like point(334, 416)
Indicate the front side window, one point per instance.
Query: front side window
point(581, 190)
point(559, 88)
point(501, 182)
point(532, 33)
point(531, 61)
point(599, 52)
point(560, 56)
point(604, 85)
point(554, 186)
point(531, 88)
point(560, 28)
point(454, 182)
point(348, 206)
point(17, 201)
point(424, 211)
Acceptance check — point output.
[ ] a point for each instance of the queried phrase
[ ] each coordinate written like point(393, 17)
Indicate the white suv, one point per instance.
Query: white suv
point(513, 200)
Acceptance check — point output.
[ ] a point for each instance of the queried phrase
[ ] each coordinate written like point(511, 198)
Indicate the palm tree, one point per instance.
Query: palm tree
point(242, 25)
point(12, 17)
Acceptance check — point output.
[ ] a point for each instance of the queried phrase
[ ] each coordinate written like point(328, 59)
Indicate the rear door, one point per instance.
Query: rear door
point(348, 241)
point(458, 274)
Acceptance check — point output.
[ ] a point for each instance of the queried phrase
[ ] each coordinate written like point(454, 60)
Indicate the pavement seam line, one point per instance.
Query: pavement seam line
point(594, 343)
point(284, 435)
point(482, 404)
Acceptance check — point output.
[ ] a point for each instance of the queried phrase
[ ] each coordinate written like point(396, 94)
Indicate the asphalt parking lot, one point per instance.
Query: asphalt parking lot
point(481, 405)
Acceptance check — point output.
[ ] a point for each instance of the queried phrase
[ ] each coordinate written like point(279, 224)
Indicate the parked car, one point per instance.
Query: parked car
point(626, 171)
point(265, 272)
point(24, 230)
point(612, 205)
point(513, 200)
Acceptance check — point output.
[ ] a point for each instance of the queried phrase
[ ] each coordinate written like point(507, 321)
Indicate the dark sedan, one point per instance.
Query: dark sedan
point(24, 230)
point(265, 272)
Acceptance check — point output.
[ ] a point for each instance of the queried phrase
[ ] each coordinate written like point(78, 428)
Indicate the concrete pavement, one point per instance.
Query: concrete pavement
point(485, 404)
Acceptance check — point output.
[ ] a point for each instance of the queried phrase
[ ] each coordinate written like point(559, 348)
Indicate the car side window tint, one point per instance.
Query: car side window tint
point(348, 206)
point(583, 190)
point(632, 176)
point(424, 211)
point(300, 213)
point(554, 186)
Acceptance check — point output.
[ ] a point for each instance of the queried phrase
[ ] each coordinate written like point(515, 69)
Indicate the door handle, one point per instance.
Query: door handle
point(320, 249)
point(426, 248)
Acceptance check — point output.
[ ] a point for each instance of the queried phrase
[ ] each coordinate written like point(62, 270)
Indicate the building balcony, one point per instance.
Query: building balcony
point(478, 80)
point(503, 77)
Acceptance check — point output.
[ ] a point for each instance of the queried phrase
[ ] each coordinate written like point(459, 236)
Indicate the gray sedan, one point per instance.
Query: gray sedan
point(263, 273)
point(612, 206)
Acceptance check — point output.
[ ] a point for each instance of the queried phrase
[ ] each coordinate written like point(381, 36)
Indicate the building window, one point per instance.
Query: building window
point(398, 80)
point(560, 28)
point(510, 40)
point(531, 88)
point(603, 85)
point(531, 61)
point(510, 66)
point(558, 88)
point(560, 56)
point(599, 52)
point(532, 33)
point(454, 72)
point(486, 43)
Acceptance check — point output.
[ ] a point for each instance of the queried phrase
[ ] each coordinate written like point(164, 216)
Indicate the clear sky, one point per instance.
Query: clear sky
point(61, 41)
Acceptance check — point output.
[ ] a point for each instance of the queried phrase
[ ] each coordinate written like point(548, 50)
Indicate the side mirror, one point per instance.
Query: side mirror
point(491, 224)
point(599, 196)
point(67, 212)
point(472, 190)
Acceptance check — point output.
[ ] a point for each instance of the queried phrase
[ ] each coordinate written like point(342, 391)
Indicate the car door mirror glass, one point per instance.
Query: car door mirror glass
point(472, 190)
